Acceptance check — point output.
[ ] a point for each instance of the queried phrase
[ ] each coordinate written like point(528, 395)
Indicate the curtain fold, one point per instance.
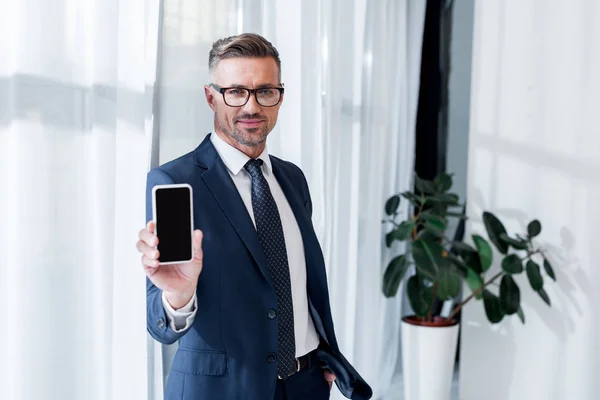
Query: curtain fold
point(75, 115)
point(391, 86)
point(533, 153)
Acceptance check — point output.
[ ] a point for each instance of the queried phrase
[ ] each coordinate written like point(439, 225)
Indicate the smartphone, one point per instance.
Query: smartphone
point(172, 209)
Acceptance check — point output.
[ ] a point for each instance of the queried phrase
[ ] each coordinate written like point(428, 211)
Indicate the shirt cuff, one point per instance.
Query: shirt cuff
point(183, 318)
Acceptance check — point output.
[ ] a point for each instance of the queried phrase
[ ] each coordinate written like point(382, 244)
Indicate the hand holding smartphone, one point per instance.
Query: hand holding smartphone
point(173, 261)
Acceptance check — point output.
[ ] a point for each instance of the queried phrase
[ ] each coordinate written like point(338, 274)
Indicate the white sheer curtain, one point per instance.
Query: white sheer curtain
point(534, 146)
point(75, 108)
point(351, 71)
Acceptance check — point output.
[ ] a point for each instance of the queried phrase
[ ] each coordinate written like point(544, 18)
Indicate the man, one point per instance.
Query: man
point(251, 311)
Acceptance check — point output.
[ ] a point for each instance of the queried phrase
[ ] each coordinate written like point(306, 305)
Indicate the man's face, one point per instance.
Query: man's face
point(250, 124)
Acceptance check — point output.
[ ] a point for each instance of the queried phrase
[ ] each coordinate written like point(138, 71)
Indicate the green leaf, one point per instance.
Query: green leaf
point(391, 205)
point(463, 247)
point(521, 315)
point(401, 233)
point(544, 296)
point(419, 296)
point(549, 269)
point(493, 308)
point(457, 265)
point(474, 281)
point(393, 275)
point(435, 221)
point(494, 229)
point(450, 199)
point(472, 260)
point(438, 208)
point(534, 228)
point(510, 295)
point(516, 244)
point(456, 214)
point(533, 274)
point(430, 234)
point(427, 255)
point(424, 186)
point(512, 264)
point(404, 230)
point(434, 228)
point(448, 284)
point(390, 237)
point(485, 252)
point(415, 200)
point(443, 182)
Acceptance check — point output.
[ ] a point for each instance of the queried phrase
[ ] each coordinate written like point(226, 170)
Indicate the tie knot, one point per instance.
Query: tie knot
point(253, 167)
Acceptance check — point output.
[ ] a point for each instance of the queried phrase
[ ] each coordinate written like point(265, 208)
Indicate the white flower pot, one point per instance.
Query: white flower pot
point(428, 354)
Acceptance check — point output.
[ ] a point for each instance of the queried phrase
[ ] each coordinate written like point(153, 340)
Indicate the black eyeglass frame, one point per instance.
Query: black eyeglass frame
point(222, 90)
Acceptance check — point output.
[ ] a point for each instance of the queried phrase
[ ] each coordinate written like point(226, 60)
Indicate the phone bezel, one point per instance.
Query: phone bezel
point(175, 186)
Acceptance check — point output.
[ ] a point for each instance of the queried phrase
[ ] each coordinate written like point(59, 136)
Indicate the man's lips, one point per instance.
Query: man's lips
point(251, 122)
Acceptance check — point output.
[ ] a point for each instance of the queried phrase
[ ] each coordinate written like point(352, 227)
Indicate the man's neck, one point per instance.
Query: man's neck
point(250, 151)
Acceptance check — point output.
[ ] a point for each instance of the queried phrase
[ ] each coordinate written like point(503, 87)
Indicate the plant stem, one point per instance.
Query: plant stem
point(416, 218)
point(430, 313)
point(475, 293)
point(531, 253)
point(392, 221)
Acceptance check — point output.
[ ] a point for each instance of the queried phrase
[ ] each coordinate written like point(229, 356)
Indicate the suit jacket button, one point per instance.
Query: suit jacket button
point(271, 357)
point(272, 314)
point(160, 323)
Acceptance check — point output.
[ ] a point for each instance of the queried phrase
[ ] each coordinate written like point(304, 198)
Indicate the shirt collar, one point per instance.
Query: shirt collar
point(234, 159)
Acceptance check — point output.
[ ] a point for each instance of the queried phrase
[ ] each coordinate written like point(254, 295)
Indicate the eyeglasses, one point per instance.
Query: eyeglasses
point(238, 96)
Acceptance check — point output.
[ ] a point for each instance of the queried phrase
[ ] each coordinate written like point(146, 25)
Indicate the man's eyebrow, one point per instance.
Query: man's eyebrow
point(261, 86)
point(266, 85)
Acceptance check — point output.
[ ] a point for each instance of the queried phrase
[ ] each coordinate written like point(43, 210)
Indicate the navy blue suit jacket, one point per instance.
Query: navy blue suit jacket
point(228, 351)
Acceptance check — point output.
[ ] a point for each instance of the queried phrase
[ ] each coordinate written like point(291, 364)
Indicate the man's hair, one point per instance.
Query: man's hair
point(245, 45)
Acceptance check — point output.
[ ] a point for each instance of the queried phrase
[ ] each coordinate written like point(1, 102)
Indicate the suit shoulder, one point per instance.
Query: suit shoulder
point(178, 169)
point(289, 166)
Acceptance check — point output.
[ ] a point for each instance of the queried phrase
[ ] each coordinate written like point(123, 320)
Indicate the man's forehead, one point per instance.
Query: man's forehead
point(256, 69)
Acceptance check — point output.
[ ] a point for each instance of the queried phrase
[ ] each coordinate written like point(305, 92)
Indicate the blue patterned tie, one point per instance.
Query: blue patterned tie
point(270, 233)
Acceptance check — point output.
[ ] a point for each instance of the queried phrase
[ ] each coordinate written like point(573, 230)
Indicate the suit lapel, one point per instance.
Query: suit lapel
point(221, 185)
point(298, 207)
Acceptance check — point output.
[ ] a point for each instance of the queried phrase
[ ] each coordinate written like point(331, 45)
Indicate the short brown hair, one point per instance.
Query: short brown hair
point(245, 45)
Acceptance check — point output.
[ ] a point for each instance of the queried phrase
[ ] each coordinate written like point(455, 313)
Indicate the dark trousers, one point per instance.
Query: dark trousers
point(308, 384)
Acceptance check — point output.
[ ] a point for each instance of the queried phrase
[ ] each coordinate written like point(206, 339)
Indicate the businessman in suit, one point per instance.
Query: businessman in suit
point(251, 312)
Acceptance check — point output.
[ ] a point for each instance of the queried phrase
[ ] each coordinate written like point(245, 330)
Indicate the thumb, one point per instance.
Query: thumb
point(198, 245)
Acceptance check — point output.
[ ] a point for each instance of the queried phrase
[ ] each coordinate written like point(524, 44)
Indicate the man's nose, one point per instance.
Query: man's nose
point(252, 106)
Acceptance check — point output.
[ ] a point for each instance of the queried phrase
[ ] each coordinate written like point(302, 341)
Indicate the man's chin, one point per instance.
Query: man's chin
point(251, 137)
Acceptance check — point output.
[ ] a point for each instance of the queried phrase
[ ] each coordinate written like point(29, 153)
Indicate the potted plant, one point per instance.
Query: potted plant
point(442, 266)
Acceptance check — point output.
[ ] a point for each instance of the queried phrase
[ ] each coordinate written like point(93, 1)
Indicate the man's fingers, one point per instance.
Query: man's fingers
point(329, 377)
point(150, 226)
point(148, 236)
point(146, 250)
point(149, 262)
point(198, 244)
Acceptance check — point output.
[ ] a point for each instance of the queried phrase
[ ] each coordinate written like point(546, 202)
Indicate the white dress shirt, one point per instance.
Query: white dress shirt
point(304, 329)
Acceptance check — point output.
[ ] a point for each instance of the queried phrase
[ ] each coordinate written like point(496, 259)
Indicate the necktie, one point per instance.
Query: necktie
point(270, 233)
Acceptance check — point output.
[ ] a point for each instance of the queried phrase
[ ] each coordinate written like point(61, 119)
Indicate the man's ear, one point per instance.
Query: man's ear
point(210, 98)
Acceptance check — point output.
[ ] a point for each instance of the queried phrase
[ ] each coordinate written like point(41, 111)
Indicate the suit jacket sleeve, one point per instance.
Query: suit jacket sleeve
point(156, 318)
